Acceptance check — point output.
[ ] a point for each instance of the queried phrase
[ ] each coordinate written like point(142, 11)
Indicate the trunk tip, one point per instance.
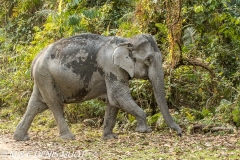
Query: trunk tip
point(180, 134)
point(177, 128)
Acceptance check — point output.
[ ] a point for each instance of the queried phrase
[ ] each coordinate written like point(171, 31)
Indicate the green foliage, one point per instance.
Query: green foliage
point(143, 95)
point(228, 112)
point(153, 119)
point(190, 87)
point(218, 24)
point(206, 112)
point(210, 34)
point(236, 115)
point(89, 109)
point(128, 30)
point(192, 114)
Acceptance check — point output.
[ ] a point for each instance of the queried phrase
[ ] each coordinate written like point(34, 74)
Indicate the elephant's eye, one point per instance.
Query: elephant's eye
point(148, 59)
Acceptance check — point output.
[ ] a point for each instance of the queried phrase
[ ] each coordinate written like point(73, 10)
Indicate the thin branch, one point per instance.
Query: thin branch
point(194, 62)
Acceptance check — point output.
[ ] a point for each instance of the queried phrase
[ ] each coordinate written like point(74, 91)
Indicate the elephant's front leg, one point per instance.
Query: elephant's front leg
point(119, 95)
point(127, 103)
point(109, 122)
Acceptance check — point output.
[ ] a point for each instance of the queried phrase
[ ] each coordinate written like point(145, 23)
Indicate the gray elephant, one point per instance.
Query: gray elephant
point(90, 66)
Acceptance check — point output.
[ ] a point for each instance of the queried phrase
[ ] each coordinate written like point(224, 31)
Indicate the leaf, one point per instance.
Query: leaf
point(60, 6)
point(92, 13)
point(198, 9)
point(76, 2)
point(74, 20)
point(131, 118)
point(189, 116)
point(189, 36)
point(153, 119)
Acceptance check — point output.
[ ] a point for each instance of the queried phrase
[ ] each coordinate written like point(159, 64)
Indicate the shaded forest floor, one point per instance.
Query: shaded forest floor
point(45, 144)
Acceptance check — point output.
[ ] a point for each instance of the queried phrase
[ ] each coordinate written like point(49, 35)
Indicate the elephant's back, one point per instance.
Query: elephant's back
point(78, 45)
point(72, 53)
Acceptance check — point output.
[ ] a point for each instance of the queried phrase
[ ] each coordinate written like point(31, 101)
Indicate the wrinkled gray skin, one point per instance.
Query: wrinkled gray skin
point(89, 66)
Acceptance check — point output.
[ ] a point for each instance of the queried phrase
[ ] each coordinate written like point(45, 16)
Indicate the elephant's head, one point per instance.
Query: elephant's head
point(142, 59)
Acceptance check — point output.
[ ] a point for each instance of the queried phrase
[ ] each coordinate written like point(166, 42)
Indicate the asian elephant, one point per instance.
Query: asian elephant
point(88, 66)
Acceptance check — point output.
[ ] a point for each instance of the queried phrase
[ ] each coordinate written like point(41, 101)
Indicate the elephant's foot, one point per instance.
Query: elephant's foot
point(109, 136)
point(67, 135)
point(143, 129)
point(20, 136)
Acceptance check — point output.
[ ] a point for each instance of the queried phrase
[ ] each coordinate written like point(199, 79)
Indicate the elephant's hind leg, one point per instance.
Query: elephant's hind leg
point(53, 99)
point(58, 113)
point(35, 106)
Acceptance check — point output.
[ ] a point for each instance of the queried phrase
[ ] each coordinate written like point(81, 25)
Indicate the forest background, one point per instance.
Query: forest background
point(199, 40)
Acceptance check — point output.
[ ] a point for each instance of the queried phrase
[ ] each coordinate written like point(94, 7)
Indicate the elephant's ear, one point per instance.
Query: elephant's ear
point(121, 57)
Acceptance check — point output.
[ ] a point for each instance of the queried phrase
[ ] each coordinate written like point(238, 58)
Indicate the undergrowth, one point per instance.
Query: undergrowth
point(201, 90)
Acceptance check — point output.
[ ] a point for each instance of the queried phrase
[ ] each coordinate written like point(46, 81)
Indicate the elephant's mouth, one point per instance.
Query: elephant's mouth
point(141, 75)
point(145, 78)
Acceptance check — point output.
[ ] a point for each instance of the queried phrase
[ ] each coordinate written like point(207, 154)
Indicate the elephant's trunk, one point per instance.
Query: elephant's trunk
point(156, 76)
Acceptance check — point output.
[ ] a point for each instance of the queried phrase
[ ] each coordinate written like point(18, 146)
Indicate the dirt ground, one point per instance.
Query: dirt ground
point(45, 145)
point(12, 150)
